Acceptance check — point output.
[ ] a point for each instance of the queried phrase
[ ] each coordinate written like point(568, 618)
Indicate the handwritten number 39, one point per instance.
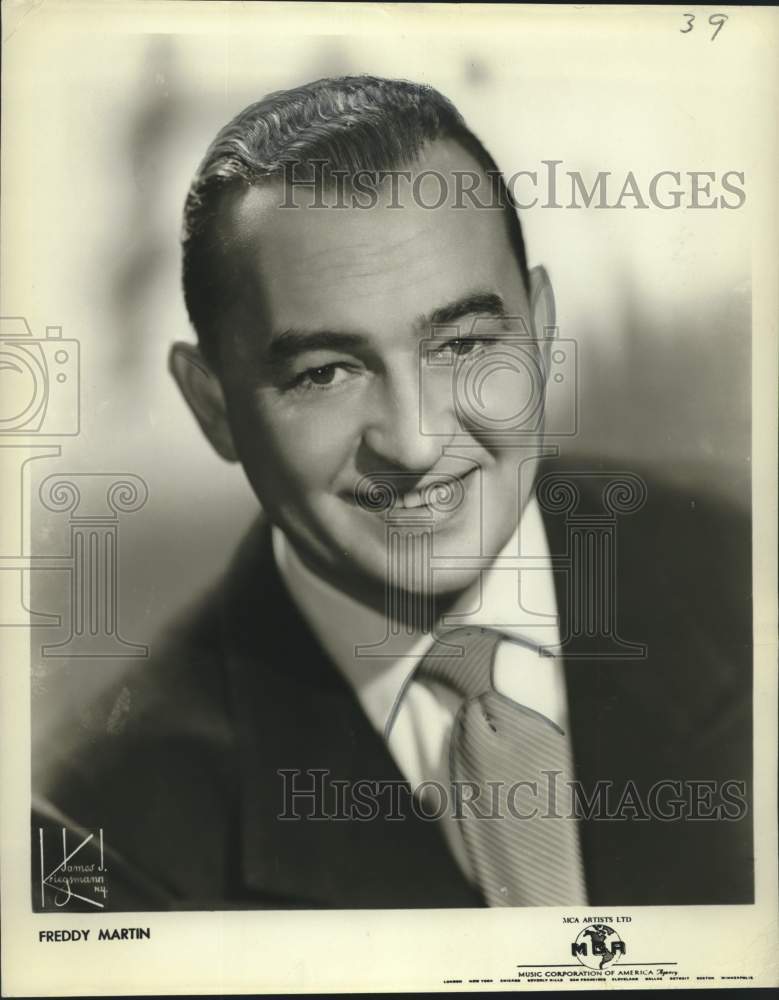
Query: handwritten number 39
point(715, 20)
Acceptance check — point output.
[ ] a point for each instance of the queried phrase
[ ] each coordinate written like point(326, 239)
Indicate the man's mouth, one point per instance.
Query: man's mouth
point(413, 499)
point(441, 494)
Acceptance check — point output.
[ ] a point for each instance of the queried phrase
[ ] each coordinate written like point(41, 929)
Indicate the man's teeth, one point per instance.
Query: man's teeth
point(422, 497)
point(411, 499)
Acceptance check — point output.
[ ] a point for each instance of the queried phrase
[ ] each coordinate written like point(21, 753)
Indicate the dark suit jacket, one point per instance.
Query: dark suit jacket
point(179, 766)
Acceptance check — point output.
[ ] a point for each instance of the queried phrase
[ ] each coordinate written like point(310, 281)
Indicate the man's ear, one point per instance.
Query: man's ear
point(203, 392)
point(542, 310)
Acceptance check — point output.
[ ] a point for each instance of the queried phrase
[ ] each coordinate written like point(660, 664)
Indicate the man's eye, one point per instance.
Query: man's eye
point(462, 347)
point(322, 377)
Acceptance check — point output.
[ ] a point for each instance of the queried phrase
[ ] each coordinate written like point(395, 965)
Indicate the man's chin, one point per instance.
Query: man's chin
point(377, 570)
point(384, 592)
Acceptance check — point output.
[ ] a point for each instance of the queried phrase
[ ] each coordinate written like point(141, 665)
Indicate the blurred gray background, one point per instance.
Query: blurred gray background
point(113, 124)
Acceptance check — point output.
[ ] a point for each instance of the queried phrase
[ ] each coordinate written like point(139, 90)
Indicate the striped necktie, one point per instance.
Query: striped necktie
point(519, 859)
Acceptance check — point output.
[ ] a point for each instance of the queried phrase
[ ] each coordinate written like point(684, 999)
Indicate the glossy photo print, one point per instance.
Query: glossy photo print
point(389, 497)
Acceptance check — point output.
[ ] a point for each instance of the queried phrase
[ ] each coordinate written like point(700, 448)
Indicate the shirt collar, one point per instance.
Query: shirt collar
point(523, 606)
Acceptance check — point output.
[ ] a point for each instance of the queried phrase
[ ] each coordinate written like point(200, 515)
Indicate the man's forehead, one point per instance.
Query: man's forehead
point(355, 268)
point(401, 208)
point(308, 237)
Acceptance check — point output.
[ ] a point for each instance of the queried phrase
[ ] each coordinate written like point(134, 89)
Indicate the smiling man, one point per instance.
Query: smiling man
point(389, 698)
point(314, 375)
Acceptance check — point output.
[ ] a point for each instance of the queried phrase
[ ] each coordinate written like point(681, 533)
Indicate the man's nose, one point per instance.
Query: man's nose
point(394, 431)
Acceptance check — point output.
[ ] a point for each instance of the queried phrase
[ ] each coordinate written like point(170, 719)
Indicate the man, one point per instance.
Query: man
point(416, 654)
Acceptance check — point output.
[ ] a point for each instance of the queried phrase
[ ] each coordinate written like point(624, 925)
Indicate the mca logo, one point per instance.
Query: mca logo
point(598, 945)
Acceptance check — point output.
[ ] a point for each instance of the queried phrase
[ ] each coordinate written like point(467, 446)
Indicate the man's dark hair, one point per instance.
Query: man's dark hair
point(351, 124)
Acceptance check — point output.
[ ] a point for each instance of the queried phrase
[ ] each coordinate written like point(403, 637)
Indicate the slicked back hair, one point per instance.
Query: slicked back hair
point(345, 125)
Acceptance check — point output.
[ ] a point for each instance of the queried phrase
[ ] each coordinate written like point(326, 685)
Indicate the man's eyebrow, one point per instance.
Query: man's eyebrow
point(488, 303)
point(292, 342)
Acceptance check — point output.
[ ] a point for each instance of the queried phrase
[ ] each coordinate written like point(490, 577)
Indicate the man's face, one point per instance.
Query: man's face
point(320, 369)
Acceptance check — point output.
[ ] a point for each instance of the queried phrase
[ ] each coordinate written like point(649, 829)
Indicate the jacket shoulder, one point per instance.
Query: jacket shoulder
point(152, 750)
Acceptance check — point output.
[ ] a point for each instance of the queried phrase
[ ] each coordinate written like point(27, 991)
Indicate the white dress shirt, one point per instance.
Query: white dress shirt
point(415, 717)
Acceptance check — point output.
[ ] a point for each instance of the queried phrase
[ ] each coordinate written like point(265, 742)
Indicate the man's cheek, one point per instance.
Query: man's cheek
point(313, 453)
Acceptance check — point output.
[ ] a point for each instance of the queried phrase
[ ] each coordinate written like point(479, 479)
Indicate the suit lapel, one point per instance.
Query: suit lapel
point(296, 714)
point(616, 708)
point(635, 722)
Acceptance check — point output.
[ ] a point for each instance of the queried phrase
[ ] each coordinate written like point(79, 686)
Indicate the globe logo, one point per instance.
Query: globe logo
point(598, 946)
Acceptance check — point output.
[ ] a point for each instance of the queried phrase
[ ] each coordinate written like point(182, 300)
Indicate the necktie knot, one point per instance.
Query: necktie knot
point(462, 660)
